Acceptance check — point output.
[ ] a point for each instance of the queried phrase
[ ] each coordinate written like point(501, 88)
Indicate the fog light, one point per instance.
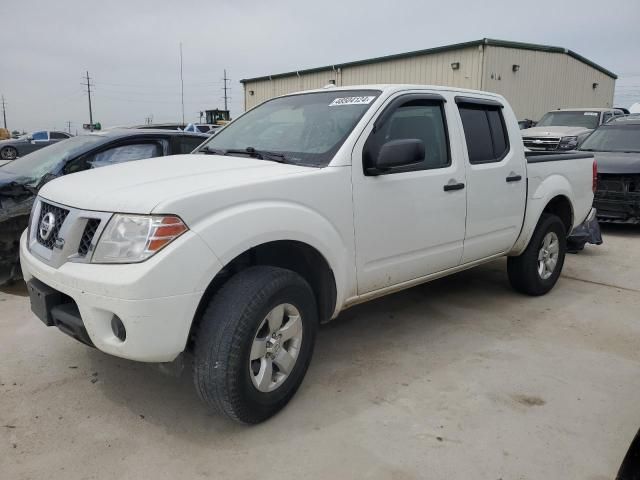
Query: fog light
point(118, 328)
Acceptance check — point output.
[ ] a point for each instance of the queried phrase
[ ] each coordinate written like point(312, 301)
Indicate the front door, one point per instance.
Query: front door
point(496, 179)
point(409, 221)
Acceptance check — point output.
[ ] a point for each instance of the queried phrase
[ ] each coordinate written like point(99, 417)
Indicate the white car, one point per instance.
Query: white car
point(302, 207)
point(565, 129)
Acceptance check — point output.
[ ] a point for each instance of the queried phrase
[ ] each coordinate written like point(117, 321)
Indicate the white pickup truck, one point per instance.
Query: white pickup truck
point(302, 207)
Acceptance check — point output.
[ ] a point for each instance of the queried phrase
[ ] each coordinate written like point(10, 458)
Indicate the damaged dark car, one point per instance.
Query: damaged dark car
point(21, 179)
point(616, 145)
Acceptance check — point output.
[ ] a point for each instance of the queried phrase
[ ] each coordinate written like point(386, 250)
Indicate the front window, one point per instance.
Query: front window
point(48, 160)
point(37, 136)
point(614, 138)
point(570, 119)
point(306, 129)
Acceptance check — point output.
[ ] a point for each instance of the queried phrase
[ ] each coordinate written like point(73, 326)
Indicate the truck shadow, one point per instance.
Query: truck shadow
point(360, 360)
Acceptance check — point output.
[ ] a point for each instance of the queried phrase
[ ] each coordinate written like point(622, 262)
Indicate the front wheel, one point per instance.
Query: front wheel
point(254, 343)
point(8, 153)
point(537, 269)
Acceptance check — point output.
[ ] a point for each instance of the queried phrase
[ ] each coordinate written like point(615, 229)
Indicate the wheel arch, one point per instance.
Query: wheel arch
point(294, 255)
point(556, 201)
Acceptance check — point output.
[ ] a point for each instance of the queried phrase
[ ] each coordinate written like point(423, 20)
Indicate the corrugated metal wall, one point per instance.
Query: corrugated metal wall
point(545, 81)
point(432, 69)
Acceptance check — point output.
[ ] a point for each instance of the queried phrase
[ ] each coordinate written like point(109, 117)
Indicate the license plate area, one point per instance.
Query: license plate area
point(43, 298)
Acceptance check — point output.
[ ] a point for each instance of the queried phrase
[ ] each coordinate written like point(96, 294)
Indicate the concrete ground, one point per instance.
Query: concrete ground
point(458, 379)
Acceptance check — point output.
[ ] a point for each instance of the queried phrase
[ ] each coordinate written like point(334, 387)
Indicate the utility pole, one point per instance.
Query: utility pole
point(181, 84)
point(4, 112)
point(69, 126)
point(225, 88)
point(89, 94)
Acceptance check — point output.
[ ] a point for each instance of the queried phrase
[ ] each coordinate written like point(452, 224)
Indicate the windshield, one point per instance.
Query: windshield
point(43, 161)
point(614, 138)
point(570, 119)
point(306, 129)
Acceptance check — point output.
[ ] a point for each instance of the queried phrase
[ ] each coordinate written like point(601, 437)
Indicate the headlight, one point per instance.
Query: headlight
point(134, 238)
point(568, 143)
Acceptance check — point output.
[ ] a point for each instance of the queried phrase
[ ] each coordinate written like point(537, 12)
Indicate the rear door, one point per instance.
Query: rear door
point(496, 178)
point(409, 222)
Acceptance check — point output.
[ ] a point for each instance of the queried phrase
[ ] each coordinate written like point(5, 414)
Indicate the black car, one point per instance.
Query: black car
point(617, 147)
point(21, 179)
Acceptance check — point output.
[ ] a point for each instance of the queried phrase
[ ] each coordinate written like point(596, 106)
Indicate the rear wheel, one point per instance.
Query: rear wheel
point(537, 269)
point(8, 153)
point(255, 342)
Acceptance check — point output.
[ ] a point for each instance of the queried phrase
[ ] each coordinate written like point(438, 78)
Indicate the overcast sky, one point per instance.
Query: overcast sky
point(131, 48)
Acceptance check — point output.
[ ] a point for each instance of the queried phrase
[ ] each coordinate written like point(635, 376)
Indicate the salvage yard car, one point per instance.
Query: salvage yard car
point(12, 149)
point(22, 178)
point(302, 207)
point(566, 129)
point(617, 146)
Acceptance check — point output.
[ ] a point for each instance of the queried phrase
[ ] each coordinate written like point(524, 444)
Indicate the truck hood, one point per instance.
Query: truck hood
point(554, 131)
point(139, 186)
point(618, 162)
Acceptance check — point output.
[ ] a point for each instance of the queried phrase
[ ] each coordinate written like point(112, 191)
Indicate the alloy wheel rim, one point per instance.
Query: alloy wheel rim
point(275, 347)
point(8, 154)
point(548, 255)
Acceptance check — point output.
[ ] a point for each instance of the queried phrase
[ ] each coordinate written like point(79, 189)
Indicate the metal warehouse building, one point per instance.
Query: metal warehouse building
point(533, 78)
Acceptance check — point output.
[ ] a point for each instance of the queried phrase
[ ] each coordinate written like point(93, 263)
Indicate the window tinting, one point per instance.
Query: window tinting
point(499, 136)
point(416, 119)
point(58, 136)
point(188, 144)
point(485, 133)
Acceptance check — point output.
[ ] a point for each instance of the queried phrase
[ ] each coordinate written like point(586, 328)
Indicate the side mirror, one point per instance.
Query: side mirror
point(30, 138)
point(397, 153)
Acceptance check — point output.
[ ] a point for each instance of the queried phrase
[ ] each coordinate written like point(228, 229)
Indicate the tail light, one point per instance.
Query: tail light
point(594, 184)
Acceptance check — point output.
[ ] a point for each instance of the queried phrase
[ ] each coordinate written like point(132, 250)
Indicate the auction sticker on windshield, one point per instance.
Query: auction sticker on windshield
point(351, 101)
point(591, 114)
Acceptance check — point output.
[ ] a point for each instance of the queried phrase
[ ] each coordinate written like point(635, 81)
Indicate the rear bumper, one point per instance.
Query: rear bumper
point(157, 328)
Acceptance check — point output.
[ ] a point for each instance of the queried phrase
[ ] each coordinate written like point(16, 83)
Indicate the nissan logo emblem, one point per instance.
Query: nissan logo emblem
point(47, 224)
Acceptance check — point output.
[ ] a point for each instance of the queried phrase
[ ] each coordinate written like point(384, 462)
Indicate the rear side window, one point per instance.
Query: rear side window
point(187, 144)
point(58, 136)
point(485, 132)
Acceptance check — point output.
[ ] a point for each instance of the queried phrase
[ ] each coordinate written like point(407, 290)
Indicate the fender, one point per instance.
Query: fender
point(541, 193)
point(238, 228)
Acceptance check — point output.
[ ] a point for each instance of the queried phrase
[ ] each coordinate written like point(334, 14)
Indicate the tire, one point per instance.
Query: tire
point(8, 153)
point(524, 270)
point(232, 328)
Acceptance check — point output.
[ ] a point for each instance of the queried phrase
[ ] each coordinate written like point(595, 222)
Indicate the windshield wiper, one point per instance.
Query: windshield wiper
point(249, 151)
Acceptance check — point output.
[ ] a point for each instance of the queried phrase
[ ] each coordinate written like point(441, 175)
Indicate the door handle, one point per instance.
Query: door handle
point(514, 178)
point(453, 186)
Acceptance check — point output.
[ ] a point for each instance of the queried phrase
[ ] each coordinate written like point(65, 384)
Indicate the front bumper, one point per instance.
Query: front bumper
point(157, 325)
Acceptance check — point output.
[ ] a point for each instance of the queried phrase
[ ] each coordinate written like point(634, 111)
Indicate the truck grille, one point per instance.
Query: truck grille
point(69, 233)
point(87, 236)
point(59, 215)
point(541, 143)
point(618, 198)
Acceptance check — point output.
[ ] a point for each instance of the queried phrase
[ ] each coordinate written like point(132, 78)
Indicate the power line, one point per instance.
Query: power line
point(4, 112)
point(225, 80)
point(89, 85)
point(181, 83)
